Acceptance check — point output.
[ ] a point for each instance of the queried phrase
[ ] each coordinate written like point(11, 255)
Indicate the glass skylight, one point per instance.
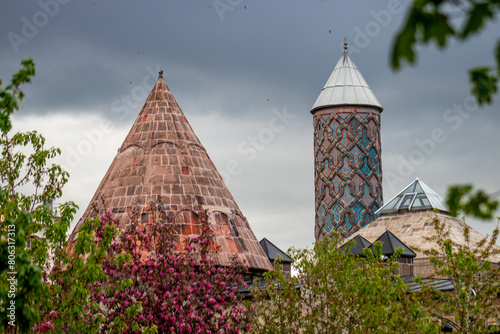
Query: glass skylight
point(416, 196)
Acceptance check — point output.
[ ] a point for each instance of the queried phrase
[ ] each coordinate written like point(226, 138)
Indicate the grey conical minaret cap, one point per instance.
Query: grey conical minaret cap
point(346, 86)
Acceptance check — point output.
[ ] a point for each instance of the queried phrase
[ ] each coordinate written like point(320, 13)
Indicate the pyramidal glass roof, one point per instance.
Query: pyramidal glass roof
point(416, 196)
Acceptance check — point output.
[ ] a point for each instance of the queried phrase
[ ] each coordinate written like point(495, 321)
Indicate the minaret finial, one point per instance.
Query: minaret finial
point(160, 74)
point(345, 43)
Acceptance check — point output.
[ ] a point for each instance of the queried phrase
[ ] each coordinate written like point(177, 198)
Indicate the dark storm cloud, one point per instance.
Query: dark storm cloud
point(94, 50)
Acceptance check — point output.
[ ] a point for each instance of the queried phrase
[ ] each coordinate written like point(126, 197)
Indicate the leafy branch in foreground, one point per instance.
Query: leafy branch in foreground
point(472, 306)
point(12, 95)
point(21, 280)
point(435, 20)
point(148, 279)
point(29, 186)
point(462, 198)
point(338, 293)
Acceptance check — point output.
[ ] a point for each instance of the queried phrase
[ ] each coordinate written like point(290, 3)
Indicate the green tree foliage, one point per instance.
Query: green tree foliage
point(476, 203)
point(145, 280)
point(74, 274)
point(339, 293)
point(21, 281)
point(12, 95)
point(29, 184)
point(473, 304)
point(436, 20)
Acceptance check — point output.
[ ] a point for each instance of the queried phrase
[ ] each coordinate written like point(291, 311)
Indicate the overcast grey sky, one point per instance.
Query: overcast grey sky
point(236, 68)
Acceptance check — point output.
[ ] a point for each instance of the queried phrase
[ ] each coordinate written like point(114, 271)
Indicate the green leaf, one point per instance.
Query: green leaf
point(479, 14)
point(424, 23)
point(497, 56)
point(484, 84)
point(463, 199)
point(436, 27)
point(11, 96)
point(404, 42)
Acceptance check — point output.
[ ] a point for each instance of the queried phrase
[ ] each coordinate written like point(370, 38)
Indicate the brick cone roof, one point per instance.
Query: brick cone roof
point(162, 156)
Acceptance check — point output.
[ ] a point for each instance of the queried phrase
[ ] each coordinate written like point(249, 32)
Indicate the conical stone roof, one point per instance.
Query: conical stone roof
point(162, 156)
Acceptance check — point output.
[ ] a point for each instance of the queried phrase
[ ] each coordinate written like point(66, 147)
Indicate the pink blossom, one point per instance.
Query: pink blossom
point(177, 291)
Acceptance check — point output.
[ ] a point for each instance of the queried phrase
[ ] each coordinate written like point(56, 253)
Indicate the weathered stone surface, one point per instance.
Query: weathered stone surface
point(162, 156)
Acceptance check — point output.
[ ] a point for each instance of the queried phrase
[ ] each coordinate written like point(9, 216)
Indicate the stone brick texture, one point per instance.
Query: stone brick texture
point(162, 157)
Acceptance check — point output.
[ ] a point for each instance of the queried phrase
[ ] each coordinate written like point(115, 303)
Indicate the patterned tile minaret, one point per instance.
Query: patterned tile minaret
point(162, 156)
point(347, 165)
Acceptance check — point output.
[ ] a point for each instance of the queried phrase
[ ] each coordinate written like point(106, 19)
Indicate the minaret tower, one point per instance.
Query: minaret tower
point(347, 164)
